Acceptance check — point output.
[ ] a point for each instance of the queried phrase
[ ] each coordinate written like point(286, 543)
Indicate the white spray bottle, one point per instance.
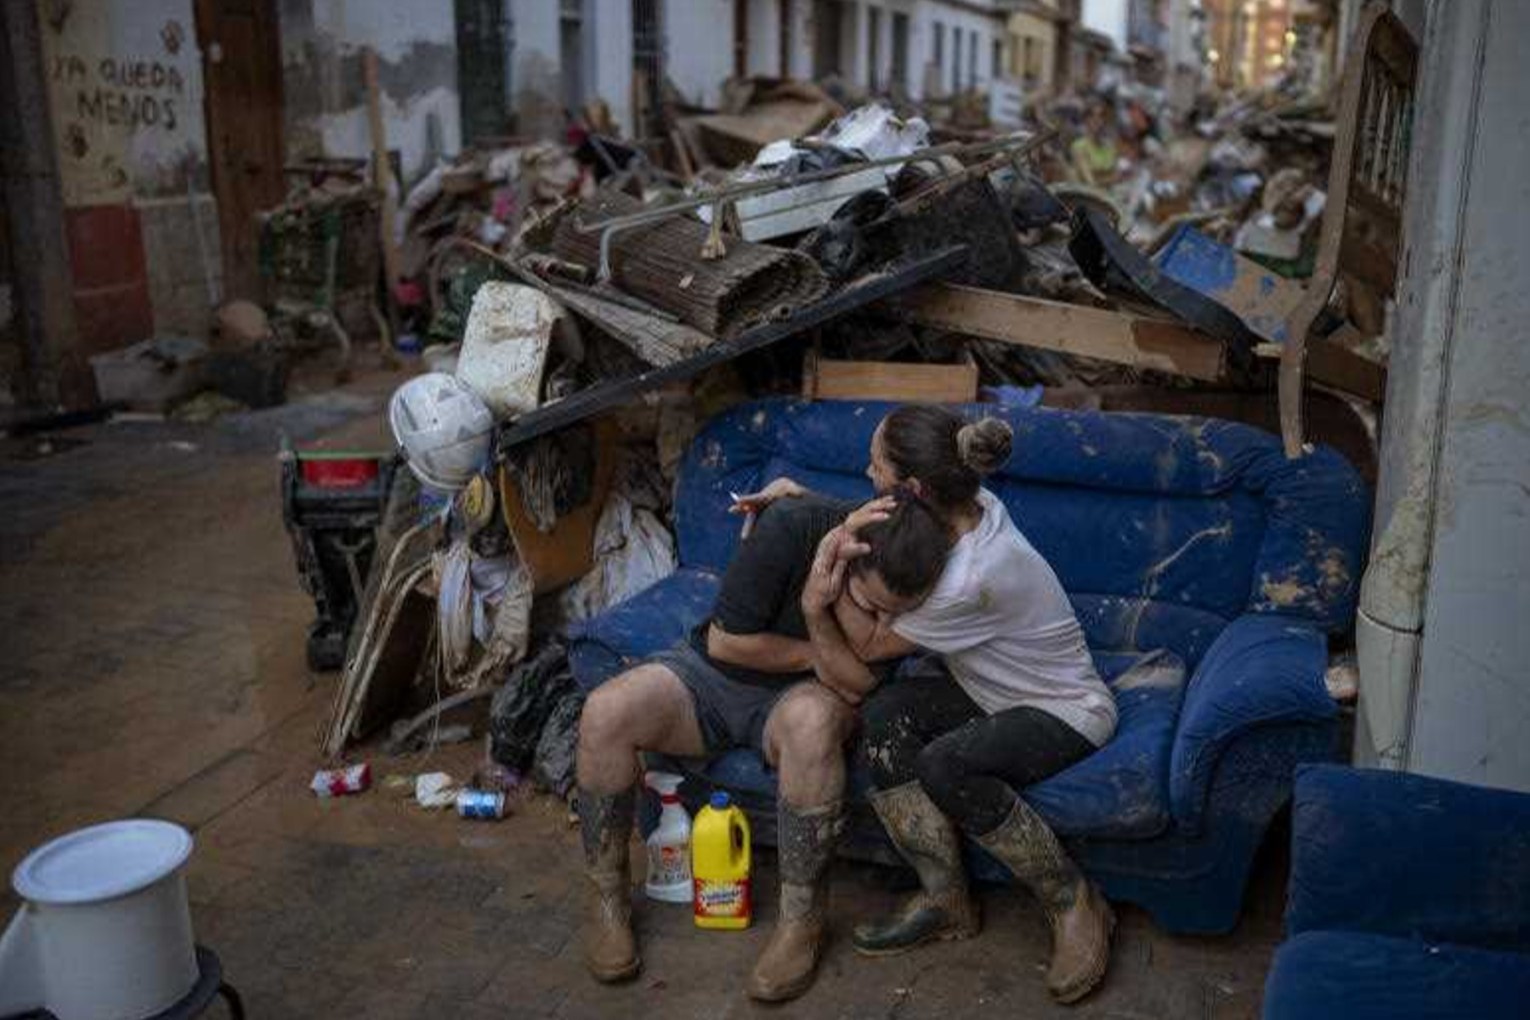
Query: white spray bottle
point(669, 845)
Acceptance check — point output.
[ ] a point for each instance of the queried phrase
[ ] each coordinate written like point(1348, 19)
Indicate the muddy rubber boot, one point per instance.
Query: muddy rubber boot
point(942, 908)
point(805, 843)
point(605, 823)
point(1080, 919)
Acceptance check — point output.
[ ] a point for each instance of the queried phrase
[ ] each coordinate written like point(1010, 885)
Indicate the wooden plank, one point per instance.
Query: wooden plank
point(382, 171)
point(566, 553)
point(1118, 337)
point(830, 379)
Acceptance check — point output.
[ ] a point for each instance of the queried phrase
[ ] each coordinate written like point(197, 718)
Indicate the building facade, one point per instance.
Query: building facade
point(158, 129)
point(1248, 41)
point(1034, 39)
point(625, 51)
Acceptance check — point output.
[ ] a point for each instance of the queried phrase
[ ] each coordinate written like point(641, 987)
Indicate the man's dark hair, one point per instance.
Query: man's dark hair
point(908, 549)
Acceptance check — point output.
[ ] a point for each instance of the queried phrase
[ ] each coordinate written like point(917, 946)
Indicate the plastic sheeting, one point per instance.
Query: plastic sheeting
point(521, 707)
point(633, 551)
point(552, 767)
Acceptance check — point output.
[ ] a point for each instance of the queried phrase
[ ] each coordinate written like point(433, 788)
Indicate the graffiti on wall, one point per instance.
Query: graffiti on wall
point(124, 93)
point(125, 90)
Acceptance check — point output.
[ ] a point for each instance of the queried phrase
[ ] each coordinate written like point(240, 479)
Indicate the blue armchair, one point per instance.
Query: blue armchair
point(1409, 899)
point(1186, 534)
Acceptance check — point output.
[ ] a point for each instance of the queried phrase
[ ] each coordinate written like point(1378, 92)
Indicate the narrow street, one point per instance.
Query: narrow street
point(153, 638)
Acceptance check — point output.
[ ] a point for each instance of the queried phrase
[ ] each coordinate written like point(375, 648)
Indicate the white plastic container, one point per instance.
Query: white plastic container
point(510, 330)
point(105, 933)
point(669, 845)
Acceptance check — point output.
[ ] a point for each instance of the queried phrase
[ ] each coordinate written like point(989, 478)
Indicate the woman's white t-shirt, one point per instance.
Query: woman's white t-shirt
point(1000, 619)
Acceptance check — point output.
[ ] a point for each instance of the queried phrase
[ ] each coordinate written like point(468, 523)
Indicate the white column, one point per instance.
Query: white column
point(611, 67)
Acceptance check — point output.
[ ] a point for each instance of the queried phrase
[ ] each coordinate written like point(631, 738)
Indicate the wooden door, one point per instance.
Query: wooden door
point(241, 62)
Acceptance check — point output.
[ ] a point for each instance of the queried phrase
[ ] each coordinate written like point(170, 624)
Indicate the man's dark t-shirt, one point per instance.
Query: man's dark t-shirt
point(762, 589)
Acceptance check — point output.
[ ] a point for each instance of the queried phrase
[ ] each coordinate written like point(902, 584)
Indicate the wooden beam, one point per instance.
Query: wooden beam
point(382, 170)
point(1119, 337)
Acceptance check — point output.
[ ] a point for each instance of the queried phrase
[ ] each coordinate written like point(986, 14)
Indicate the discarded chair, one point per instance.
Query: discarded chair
point(1361, 234)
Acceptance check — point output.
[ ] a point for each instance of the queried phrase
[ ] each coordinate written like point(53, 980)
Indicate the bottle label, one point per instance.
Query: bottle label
point(722, 899)
point(669, 865)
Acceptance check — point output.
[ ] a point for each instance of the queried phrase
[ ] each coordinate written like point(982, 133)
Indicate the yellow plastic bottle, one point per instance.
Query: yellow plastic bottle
point(720, 865)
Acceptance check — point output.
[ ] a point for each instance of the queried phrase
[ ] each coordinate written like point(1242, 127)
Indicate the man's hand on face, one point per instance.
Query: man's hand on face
point(826, 580)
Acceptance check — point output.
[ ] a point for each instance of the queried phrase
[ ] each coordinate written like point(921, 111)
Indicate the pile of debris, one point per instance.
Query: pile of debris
point(589, 303)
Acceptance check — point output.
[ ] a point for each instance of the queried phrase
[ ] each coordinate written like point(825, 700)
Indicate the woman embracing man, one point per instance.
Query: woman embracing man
point(1007, 696)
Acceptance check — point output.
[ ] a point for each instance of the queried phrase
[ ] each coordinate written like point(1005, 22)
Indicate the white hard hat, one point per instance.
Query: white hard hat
point(443, 427)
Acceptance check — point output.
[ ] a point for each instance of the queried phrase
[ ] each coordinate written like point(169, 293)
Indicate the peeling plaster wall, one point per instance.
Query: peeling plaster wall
point(605, 71)
point(325, 91)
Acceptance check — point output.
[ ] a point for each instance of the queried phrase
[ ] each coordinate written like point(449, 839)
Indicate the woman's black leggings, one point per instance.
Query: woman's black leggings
point(925, 727)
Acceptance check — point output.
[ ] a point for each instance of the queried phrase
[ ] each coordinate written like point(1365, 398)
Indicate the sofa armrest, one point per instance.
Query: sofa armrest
point(1261, 670)
point(1409, 856)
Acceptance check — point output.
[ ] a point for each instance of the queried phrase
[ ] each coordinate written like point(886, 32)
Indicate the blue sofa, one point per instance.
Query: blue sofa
point(1409, 899)
point(1187, 534)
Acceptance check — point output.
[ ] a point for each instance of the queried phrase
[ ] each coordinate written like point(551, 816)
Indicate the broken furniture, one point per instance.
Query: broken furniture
point(332, 504)
point(1265, 301)
point(1409, 897)
point(654, 335)
point(751, 295)
point(396, 628)
point(1187, 534)
point(1361, 238)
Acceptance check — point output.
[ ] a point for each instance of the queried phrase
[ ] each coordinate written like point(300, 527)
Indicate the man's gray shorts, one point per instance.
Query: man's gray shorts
point(730, 713)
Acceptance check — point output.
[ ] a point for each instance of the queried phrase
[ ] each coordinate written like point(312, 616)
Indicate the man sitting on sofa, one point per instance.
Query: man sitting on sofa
point(771, 670)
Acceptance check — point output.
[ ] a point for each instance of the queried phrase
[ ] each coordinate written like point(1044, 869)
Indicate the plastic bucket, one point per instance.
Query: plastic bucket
point(105, 933)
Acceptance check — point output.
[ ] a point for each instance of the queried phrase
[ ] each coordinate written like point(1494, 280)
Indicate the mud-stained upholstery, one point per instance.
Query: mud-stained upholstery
point(1186, 534)
point(1409, 898)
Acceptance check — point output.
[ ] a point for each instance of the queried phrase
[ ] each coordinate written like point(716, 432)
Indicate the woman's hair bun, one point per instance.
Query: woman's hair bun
point(983, 446)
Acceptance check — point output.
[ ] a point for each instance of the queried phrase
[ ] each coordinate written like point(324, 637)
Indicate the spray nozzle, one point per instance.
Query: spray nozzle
point(665, 784)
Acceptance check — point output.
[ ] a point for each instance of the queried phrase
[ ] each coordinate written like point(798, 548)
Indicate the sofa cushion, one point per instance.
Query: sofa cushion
point(1358, 976)
point(651, 621)
point(1120, 791)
